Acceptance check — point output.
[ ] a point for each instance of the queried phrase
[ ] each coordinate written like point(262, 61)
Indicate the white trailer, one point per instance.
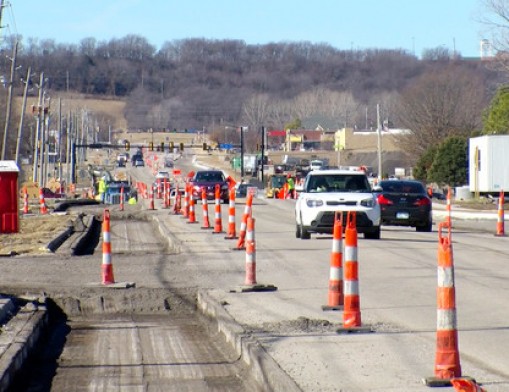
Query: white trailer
point(489, 164)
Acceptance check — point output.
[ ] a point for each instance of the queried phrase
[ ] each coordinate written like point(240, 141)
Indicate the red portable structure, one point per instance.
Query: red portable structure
point(9, 197)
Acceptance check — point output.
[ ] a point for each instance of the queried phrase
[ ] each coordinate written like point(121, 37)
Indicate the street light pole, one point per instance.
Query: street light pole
point(242, 153)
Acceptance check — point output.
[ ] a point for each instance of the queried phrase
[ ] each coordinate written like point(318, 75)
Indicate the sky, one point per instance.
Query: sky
point(411, 25)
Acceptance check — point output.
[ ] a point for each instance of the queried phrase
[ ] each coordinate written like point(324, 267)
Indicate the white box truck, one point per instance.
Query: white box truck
point(489, 164)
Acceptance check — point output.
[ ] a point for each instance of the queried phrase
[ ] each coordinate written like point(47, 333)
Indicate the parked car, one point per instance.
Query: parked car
point(405, 203)
point(139, 163)
point(326, 192)
point(208, 179)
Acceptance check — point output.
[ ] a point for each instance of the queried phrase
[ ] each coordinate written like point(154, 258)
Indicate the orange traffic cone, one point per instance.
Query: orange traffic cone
point(250, 253)
point(25, 200)
point(152, 203)
point(243, 223)
point(192, 215)
point(178, 201)
point(42, 202)
point(107, 267)
point(447, 359)
point(218, 221)
point(500, 216)
point(466, 385)
point(231, 217)
point(185, 206)
point(336, 299)
point(205, 208)
point(351, 312)
point(122, 198)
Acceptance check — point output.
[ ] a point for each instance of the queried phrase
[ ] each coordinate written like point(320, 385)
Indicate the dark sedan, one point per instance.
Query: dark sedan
point(405, 203)
point(208, 179)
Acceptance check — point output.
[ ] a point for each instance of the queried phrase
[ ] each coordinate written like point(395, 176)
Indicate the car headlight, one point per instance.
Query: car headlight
point(370, 203)
point(314, 202)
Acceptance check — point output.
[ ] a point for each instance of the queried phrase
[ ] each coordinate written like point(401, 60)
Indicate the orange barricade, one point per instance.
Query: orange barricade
point(500, 216)
point(464, 385)
point(351, 312)
point(107, 267)
point(231, 217)
point(335, 300)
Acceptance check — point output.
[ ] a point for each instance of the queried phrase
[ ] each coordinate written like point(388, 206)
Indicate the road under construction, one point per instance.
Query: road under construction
point(134, 333)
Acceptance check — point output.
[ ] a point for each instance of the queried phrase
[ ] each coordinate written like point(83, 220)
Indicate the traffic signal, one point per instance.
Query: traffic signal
point(181, 146)
point(162, 146)
point(204, 146)
point(172, 146)
point(151, 146)
point(127, 146)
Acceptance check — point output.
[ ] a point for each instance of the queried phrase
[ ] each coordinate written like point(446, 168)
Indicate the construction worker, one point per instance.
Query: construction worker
point(101, 188)
point(291, 186)
point(132, 200)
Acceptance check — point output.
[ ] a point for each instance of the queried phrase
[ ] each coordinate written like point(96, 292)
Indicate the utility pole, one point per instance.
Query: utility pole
point(23, 109)
point(263, 155)
point(37, 144)
point(9, 98)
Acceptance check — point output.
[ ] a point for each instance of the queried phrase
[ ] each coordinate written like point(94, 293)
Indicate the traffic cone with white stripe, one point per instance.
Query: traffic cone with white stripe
point(243, 223)
point(218, 221)
point(152, 203)
point(122, 198)
point(205, 208)
point(250, 283)
point(42, 207)
point(178, 201)
point(231, 235)
point(185, 205)
point(25, 200)
point(192, 214)
point(107, 266)
point(500, 216)
point(335, 301)
point(352, 311)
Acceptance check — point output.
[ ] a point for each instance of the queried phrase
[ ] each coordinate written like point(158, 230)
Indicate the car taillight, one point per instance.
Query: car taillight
point(382, 200)
point(422, 202)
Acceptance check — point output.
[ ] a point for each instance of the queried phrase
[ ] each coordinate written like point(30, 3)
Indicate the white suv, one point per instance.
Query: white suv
point(327, 191)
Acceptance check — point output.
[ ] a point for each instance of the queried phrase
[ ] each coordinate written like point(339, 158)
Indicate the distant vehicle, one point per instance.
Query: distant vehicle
point(241, 190)
point(114, 192)
point(163, 174)
point(139, 163)
point(122, 159)
point(208, 179)
point(275, 184)
point(405, 203)
point(136, 157)
point(168, 162)
point(316, 164)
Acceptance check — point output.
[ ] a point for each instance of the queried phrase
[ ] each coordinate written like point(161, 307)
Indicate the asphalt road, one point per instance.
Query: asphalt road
point(397, 278)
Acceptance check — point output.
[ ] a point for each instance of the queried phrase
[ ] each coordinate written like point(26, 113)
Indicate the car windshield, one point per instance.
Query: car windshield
point(209, 177)
point(402, 187)
point(338, 183)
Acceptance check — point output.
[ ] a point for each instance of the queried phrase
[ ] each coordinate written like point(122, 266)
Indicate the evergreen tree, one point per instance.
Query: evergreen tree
point(451, 162)
point(424, 163)
point(496, 116)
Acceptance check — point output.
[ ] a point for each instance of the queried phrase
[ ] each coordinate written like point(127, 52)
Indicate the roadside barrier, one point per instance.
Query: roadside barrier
point(466, 385)
point(447, 358)
point(351, 312)
point(500, 216)
point(218, 222)
point(231, 234)
point(122, 198)
point(335, 300)
point(205, 209)
point(243, 224)
point(42, 203)
point(107, 266)
point(25, 200)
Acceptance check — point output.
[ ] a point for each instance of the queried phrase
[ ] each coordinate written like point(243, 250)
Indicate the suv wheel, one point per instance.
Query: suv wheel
point(304, 234)
point(373, 235)
point(297, 231)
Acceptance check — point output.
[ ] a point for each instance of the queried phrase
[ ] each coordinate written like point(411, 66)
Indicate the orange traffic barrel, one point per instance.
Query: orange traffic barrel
point(218, 221)
point(205, 209)
point(231, 233)
point(107, 266)
point(351, 312)
point(500, 216)
point(335, 297)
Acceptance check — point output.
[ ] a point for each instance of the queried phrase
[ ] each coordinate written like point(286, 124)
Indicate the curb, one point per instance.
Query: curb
point(263, 367)
point(19, 340)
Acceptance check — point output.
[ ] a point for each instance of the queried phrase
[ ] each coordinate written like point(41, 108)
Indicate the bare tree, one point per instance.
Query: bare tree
point(441, 103)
